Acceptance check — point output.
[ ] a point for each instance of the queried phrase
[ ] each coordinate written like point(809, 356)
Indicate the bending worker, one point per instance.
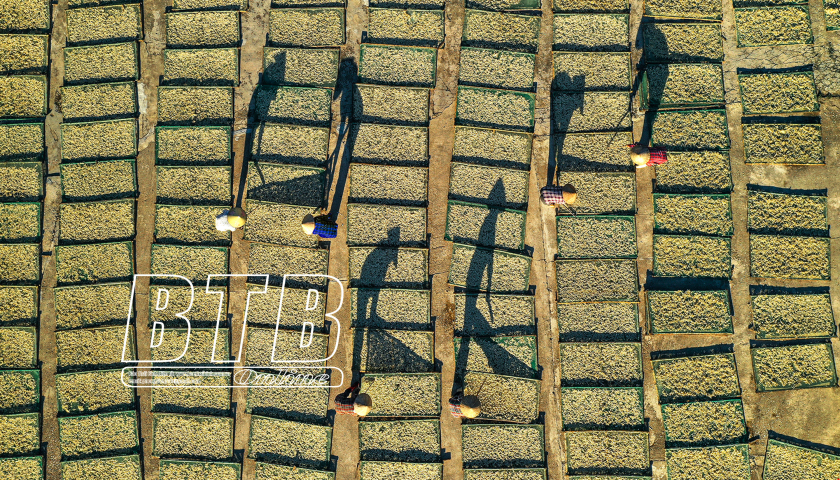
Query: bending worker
point(320, 225)
point(351, 402)
point(464, 406)
point(554, 195)
point(645, 156)
point(231, 219)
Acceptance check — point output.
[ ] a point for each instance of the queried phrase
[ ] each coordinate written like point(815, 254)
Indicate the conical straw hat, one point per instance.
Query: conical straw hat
point(308, 224)
point(569, 194)
point(362, 404)
point(237, 217)
point(470, 406)
point(640, 155)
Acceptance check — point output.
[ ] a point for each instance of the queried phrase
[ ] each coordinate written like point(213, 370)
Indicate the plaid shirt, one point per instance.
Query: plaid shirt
point(658, 156)
point(344, 401)
point(324, 228)
point(455, 406)
point(552, 195)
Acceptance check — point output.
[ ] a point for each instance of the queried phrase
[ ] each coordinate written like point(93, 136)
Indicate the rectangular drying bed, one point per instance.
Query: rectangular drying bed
point(601, 364)
point(575, 112)
point(501, 187)
point(692, 214)
point(793, 366)
point(98, 435)
point(110, 220)
point(123, 467)
point(396, 309)
point(192, 436)
point(293, 144)
point(99, 101)
point(22, 434)
point(206, 308)
point(597, 280)
point(492, 314)
point(832, 14)
point(22, 142)
point(285, 345)
point(704, 10)
point(581, 71)
point(787, 214)
point(403, 394)
point(418, 4)
point(268, 471)
point(179, 469)
point(306, 27)
point(395, 65)
point(25, 15)
point(785, 143)
point(778, 92)
point(198, 348)
point(784, 460)
point(501, 31)
point(784, 25)
point(25, 468)
point(406, 27)
point(389, 267)
point(415, 441)
point(93, 392)
point(109, 24)
point(210, 5)
point(493, 148)
point(277, 223)
point(504, 5)
point(373, 144)
point(193, 146)
point(263, 308)
point(695, 172)
point(87, 348)
point(682, 85)
point(277, 261)
point(691, 130)
point(205, 66)
point(287, 184)
point(94, 263)
point(485, 226)
point(692, 256)
point(192, 262)
point(294, 105)
point(391, 105)
point(202, 29)
point(88, 181)
point(200, 185)
point(21, 263)
point(595, 6)
point(483, 269)
point(503, 109)
point(793, 316)
point(730, 461)
point(20, 305)
point(503, 446)
point(20, 222)
point(388, 184)
point(607, 236)
point(308, 405)
point(393, 351)
point(683, 42)
point(686, 311)
point(19, 346)
point(586, 408)
point(29, 100)
point(116, 62)
point(598, 32)
point(24, 54)
point(607, 452)
point(510, 356)
point(300, 66)
point(206, 395)
point(698, 378)
point(482, 67)
point(589, 322)
point(594, 152)
point(189, 224)
point(774, 256)
point(98, 140)
point(702, 424)
point(385, 225)
point(20, 391)
point(496, 391)
point(195, 105)
point(389, 470)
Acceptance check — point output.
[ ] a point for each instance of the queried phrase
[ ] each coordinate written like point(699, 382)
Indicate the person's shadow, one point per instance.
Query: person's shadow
point(650, 97)
point(375, 269)
point(338, 163)
point(564, 104)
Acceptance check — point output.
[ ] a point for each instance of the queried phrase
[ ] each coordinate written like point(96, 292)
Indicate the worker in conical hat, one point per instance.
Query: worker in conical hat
point(351, 402)
point(362, 404)
point(320, 225)
point(468, 406)
point(230, 220)
point(643, 156)
point(554, 195)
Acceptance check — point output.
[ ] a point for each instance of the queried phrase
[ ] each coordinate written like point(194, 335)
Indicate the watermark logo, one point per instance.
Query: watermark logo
point(279, 373)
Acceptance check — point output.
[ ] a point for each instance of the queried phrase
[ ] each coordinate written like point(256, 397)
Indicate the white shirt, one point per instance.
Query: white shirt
point(222, 223)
